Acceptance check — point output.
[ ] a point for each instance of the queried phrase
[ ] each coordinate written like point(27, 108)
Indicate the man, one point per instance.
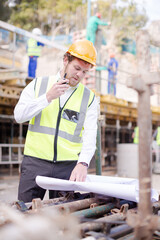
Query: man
point(112, 74)
point(92, 27)
point(61, 137)
point(156, 136)
point(135, 135)
point(33, 51)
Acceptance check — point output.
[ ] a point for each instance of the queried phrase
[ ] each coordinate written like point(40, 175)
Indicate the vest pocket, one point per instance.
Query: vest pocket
point(70, 115)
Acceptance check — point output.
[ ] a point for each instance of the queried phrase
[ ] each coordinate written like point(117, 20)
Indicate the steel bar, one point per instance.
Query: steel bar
point(99, 223)
point(54, 201)
point(47, 203)
point(120, 231)
point(98, 150)
point(96, 211)
point(127, 237)
point(14, 49)
point(77, 205)
point(25, 33)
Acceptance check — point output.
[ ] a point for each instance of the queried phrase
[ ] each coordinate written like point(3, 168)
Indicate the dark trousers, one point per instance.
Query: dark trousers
point(32, 66)
point(31, 167)
point(111, 88)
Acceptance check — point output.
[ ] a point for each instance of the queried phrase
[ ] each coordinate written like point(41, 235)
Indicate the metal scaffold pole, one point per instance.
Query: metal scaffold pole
point(98, 150)
point(144, 222)
point(144, 123)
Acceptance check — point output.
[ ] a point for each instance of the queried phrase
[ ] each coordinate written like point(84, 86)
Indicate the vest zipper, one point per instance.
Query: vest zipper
point(57, 127)
point(56, 135)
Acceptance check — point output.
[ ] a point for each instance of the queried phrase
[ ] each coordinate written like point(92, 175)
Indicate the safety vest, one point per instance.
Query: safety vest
point(33, 49)
point(136, 135)
point(55, 134)
point(158, 136)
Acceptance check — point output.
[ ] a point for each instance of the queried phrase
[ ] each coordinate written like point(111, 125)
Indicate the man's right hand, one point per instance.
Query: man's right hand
point(57, 89)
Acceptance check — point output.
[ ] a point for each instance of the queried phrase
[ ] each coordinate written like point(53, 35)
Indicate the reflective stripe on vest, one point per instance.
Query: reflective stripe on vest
point(75, 138)
point(47, 130)
point(158, 136)
point(33, 49)
point(136, 135)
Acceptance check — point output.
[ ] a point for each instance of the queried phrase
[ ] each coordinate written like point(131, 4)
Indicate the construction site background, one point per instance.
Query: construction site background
point(137, 101)
point(114, 109)
point(50, 61)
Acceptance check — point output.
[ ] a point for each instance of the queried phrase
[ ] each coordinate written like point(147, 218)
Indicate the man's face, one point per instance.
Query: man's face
point(76, 70)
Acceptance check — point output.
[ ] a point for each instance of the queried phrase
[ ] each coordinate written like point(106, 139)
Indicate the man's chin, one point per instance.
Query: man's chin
point(73, 83)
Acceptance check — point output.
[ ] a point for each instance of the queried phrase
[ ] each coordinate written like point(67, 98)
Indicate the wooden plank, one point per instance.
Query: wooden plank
point(10, 102)
point(8, 62)
point(10, 92)
point(15, 82)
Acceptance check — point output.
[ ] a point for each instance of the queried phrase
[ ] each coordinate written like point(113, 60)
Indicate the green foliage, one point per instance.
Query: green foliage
point(5, 11)
point(72, 15)
point(67, 7)
point(38, 13)
point(27, 14)
point(126, 19)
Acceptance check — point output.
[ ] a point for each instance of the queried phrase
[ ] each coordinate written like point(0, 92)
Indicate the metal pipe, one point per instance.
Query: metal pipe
point(14, 49)
point(53, 201)
point(98, 150)
point(98, 224)
point(117, 131)
point(120, 231)
point(96, 211)
point(77, 205)
point(25, 33)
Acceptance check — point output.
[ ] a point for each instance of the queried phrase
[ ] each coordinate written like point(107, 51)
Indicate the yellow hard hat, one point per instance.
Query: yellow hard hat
point(84, 49)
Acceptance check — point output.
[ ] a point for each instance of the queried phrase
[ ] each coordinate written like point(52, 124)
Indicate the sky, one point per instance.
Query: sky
point(152, 8)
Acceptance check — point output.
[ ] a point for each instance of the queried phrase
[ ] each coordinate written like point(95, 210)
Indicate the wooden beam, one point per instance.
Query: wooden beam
point(10, 92)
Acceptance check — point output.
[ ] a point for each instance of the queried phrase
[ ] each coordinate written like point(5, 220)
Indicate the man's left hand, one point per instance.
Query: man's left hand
point(79, 173)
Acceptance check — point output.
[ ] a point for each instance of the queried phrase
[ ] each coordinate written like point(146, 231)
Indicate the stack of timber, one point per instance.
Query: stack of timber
point(12, 81)
point(121, 109)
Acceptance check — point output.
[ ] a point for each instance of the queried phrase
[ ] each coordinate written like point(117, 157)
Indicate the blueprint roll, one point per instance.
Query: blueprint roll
point(123, 188)
point(127, 160)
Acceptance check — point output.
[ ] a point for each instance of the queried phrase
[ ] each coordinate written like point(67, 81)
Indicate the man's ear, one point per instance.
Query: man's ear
point(65, 61)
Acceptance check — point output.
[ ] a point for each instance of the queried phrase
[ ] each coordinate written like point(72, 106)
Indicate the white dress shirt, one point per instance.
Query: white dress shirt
point(28, 106)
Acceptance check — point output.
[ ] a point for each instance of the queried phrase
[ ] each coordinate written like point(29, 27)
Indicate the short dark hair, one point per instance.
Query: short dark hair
point(71, 58)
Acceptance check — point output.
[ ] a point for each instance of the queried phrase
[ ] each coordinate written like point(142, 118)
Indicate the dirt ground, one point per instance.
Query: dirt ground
point(9, 185)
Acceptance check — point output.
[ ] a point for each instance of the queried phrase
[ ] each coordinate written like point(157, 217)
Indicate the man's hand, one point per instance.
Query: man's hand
point(57, 89)
point(79, 173)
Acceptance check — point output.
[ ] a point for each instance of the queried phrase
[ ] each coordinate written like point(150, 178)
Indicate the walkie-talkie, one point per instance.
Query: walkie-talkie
point(64, 78)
